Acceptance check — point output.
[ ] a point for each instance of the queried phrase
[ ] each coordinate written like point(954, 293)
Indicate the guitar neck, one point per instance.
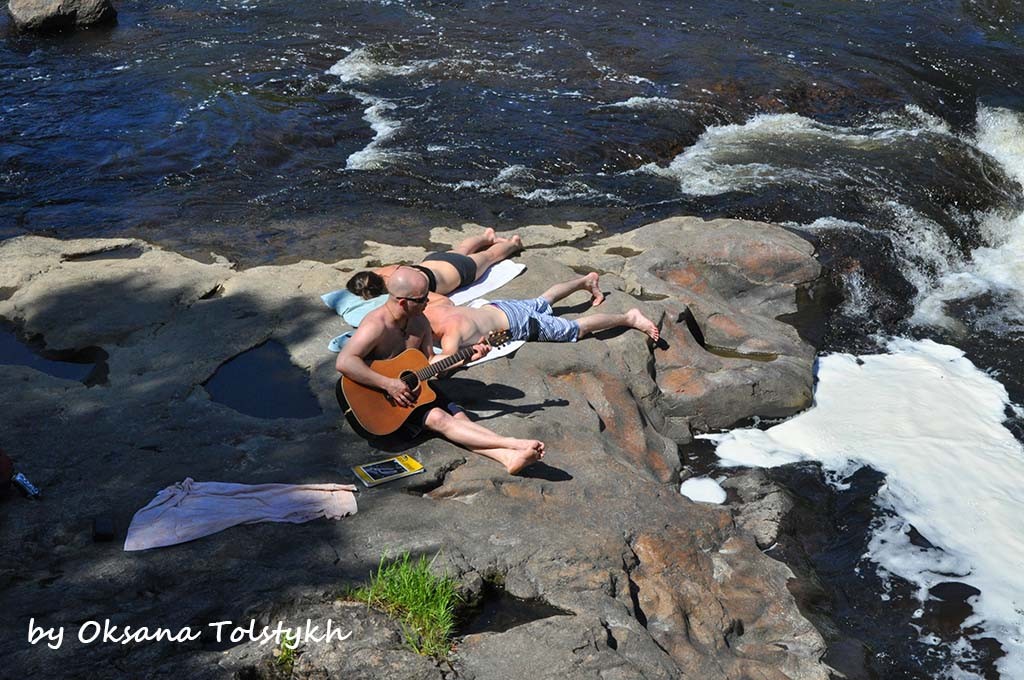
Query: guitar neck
point(431, 370)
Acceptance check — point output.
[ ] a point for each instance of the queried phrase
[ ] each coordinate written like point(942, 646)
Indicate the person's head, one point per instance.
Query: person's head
point(410, 288)
point(366, 285)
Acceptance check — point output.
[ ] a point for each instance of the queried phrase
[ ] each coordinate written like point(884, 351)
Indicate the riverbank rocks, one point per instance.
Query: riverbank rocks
point(640, 581)
point(57, 15)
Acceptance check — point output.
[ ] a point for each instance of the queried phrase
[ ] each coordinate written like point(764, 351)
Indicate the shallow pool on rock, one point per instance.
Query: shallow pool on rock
point(87, 366)
point(498, 611)
point(263, 382)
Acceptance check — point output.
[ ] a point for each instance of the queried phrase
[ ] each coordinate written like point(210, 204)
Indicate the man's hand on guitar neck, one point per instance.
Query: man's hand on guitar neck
point(480, 350)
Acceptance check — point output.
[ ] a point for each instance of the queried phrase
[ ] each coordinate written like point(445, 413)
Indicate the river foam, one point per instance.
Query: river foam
point(703, 490)
point(933, 423)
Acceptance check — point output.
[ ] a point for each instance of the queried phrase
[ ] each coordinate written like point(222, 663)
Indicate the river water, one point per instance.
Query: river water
point(891, 133)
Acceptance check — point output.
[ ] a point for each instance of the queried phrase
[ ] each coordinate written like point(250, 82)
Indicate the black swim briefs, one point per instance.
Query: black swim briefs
point(429, 273)
point(463, 264)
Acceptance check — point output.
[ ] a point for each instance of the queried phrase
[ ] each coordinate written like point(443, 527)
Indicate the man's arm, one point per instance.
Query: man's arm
point(352, 364)
point(450, 344)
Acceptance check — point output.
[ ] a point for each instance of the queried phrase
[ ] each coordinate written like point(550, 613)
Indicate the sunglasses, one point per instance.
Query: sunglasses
point(418, 300)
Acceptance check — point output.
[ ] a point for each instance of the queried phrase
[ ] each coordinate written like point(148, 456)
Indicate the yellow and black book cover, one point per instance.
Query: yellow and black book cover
point(380, 471)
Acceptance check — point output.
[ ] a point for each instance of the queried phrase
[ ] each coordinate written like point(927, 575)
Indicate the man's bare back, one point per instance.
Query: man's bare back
point(455, 326)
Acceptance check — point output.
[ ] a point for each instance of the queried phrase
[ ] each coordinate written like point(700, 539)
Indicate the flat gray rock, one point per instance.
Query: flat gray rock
point(652, 584)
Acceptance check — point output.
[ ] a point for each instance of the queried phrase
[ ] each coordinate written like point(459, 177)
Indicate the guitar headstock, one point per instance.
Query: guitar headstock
point(499, 338)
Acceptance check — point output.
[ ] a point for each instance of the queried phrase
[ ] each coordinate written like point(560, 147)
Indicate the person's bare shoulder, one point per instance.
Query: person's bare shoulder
point(437, 301)
point(371, 328)
point(418, 325)
point(374, 320)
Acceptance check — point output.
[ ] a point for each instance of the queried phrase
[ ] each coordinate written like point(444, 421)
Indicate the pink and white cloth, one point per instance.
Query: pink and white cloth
point(189, 509)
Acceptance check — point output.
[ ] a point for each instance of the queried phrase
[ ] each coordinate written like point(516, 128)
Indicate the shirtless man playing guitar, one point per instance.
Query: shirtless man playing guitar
point(399, 325)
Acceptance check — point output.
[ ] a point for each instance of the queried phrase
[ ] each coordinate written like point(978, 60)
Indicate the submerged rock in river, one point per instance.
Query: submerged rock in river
point(652, 584)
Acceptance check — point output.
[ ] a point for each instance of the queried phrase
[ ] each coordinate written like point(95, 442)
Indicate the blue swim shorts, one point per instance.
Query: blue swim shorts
point(535, 320)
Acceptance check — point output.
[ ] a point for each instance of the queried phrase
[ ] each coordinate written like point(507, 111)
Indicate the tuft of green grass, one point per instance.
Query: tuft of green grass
point(284, 656)
point(423, 603)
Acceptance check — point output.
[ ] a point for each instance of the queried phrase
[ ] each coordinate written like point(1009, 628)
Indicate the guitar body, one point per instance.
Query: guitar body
point(374, 410)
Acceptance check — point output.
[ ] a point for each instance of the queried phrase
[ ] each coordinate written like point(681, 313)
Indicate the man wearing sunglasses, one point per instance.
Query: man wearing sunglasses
point(398, 325)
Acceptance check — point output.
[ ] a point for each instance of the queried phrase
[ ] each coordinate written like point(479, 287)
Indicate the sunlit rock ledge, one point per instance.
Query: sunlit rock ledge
point(655, 585)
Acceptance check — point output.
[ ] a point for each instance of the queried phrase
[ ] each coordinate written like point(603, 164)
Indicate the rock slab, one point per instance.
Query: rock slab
point(56, 15)
point(653, 585)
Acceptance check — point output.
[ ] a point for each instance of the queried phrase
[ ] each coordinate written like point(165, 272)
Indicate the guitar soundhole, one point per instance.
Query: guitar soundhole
point(410, 379)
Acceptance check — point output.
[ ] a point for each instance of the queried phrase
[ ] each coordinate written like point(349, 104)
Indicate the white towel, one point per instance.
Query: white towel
point(189, 510)
point(496, 277)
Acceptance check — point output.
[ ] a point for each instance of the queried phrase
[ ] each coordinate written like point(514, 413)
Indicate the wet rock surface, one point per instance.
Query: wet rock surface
point(653, 584)
point(58, 15)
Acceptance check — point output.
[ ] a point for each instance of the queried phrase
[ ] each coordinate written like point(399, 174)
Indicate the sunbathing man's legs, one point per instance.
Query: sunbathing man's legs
point(595, 323)
point(514, 454)
point(564, 290)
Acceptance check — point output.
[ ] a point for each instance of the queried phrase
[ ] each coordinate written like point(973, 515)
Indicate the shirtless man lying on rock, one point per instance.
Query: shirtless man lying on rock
point(530, 319)
point(398, 325)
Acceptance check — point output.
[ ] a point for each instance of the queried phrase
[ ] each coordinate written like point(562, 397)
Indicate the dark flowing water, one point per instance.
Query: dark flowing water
point(889, 132)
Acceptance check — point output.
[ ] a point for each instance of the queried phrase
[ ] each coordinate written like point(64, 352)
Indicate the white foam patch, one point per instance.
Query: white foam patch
point(932, 422)
point(373, 156)
point(360, 66)
point(703, 490)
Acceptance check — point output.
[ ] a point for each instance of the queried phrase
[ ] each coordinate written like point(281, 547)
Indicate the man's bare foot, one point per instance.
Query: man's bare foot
point(489, 236)
point(593, 286)
point(518, 459)
point(642, 323)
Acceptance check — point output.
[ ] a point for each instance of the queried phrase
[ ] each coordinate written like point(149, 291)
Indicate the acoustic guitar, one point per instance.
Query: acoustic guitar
point(376, 412)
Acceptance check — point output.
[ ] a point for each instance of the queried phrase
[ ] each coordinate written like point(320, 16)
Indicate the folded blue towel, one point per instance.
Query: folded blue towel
point(351, 308)
point(337, 343)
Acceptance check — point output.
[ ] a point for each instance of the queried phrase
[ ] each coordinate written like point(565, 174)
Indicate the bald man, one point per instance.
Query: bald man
point(399, 325)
